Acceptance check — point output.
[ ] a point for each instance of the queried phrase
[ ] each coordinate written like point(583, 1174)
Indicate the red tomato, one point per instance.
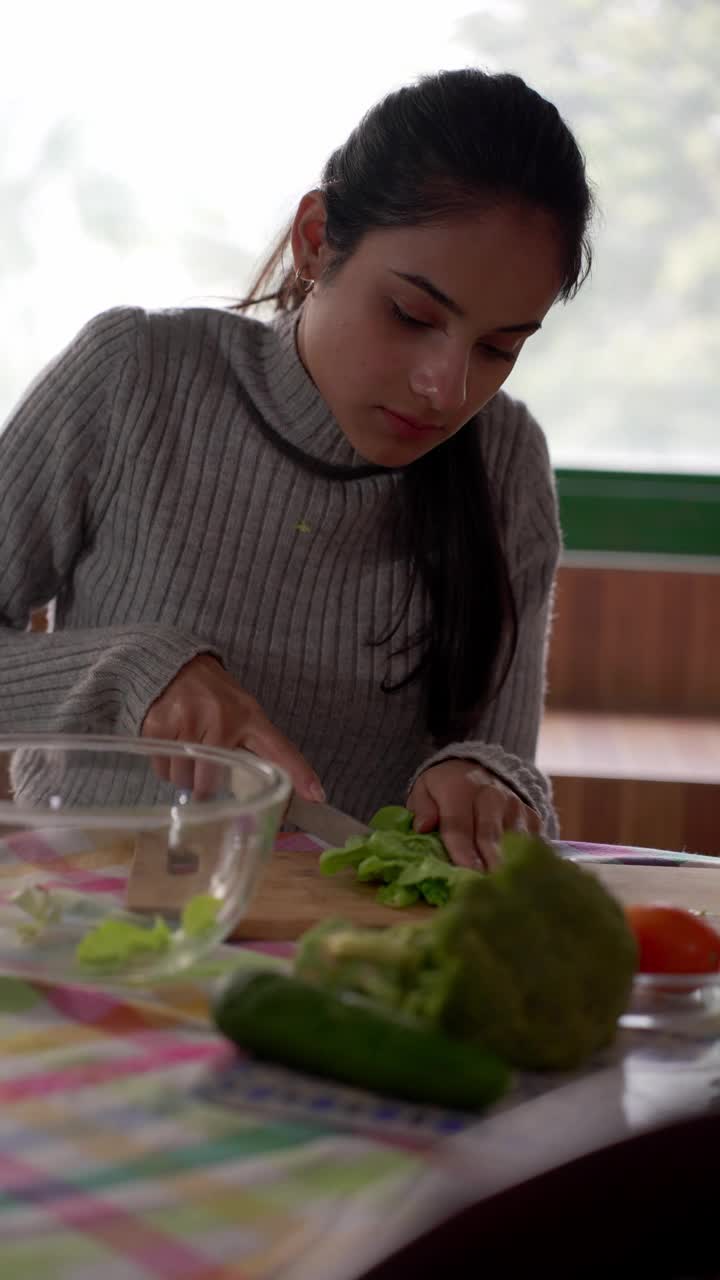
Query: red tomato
point(671, 940)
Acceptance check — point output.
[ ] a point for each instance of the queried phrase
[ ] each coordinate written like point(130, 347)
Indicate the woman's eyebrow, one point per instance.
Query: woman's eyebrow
point(527, 326)
point(422, 282)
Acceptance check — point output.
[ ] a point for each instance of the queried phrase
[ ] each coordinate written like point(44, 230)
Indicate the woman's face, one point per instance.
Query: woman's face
point(422, 325)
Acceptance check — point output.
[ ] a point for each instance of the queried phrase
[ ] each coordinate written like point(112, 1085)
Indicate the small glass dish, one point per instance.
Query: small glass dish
point(126, 860)
point(674, 1002)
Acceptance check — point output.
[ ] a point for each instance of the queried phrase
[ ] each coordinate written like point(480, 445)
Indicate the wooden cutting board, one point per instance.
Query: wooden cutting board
point(293, 895)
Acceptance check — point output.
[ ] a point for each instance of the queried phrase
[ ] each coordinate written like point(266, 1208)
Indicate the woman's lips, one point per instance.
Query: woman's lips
point(410, 428)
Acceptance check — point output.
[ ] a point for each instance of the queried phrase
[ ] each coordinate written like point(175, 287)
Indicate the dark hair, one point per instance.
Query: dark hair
point(450, 143)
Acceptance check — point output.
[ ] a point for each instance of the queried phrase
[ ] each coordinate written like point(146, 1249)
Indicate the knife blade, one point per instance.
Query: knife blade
point(322, 820)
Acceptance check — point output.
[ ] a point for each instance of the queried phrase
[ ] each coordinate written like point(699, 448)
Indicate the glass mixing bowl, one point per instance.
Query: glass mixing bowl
point(126, 860)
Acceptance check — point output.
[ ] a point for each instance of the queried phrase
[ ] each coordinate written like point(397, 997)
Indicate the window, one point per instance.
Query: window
point(153, 160)
point(628, 375)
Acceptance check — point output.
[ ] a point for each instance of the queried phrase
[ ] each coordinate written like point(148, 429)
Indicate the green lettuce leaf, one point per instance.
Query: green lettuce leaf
point(114, 943)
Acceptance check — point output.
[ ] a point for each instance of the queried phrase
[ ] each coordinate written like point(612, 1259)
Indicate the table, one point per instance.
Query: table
point(135, 1143)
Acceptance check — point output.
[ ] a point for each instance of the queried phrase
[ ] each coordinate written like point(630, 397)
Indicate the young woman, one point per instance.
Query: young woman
point(329, 539)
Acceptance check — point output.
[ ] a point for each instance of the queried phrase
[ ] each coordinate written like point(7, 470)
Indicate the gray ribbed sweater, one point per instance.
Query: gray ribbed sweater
point(137, 491)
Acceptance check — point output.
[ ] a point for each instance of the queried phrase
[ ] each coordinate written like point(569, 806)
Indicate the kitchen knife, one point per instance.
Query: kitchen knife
point(323, 821)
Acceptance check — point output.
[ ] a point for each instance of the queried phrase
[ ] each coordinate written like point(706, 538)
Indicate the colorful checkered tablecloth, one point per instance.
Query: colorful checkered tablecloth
point(135, 1143)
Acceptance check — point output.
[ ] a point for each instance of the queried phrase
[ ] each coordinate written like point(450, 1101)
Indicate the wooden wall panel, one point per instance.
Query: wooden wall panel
point(630, 639)
point(659, 815)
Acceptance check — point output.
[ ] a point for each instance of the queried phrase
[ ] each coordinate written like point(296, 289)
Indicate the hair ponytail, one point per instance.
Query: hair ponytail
point(275, 280)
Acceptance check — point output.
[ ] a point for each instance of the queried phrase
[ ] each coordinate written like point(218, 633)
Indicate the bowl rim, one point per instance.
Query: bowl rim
point(674, 981)
point(275, 785)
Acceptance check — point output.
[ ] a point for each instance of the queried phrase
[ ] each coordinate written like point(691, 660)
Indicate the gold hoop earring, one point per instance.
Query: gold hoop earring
point(305, 281)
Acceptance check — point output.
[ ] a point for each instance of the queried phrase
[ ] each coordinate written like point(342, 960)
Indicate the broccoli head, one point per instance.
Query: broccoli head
point(533, 961)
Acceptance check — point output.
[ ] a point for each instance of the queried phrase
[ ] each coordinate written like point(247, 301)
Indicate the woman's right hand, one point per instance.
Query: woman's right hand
point(203, 704)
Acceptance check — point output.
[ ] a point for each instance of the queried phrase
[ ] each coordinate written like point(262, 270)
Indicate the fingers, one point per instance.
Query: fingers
point(443, 800)
point(520, 817)
point(446, 811)
point(422, 805)
point(263, 739)
point(208, 779)
point(533, 821)
point(471, 808)
point(457, 828)
point(205, 705)
point(182, 772)
point(458, 836)
point(487, 834)
point(488, 808)
point(497, 810)
point(515, 814)
point(161, 766)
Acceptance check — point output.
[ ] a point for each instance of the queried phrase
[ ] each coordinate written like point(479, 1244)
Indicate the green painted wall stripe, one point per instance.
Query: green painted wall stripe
point(638, 511)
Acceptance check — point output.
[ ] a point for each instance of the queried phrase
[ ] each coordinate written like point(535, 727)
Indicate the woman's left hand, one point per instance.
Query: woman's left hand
point(470, 808)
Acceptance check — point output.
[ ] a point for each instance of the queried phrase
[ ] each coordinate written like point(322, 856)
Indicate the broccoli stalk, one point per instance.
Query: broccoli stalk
point(534, 961)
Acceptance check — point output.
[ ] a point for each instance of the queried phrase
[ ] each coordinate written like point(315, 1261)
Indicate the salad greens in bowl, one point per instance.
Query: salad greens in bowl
point(126, 860)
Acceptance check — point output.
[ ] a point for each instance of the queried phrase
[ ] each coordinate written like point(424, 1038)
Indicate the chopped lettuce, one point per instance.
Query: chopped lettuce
point(375, 868)
point(199, 915)
point(393, 817)
point(41, 906)
point(407, 845)
point(332, 860)
point(398, 895)
point(436, 892)
point(410, 867)
point(431, 870)
point(114, 943)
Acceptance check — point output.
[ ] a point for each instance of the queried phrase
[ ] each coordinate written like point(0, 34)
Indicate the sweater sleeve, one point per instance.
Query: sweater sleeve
point(57, 453)
point(504, 737)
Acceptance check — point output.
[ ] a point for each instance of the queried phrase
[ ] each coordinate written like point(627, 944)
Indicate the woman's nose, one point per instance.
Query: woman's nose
point(443, 382)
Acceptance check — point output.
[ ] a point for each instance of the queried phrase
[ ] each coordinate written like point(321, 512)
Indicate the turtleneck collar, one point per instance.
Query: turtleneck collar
point(299, 413)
